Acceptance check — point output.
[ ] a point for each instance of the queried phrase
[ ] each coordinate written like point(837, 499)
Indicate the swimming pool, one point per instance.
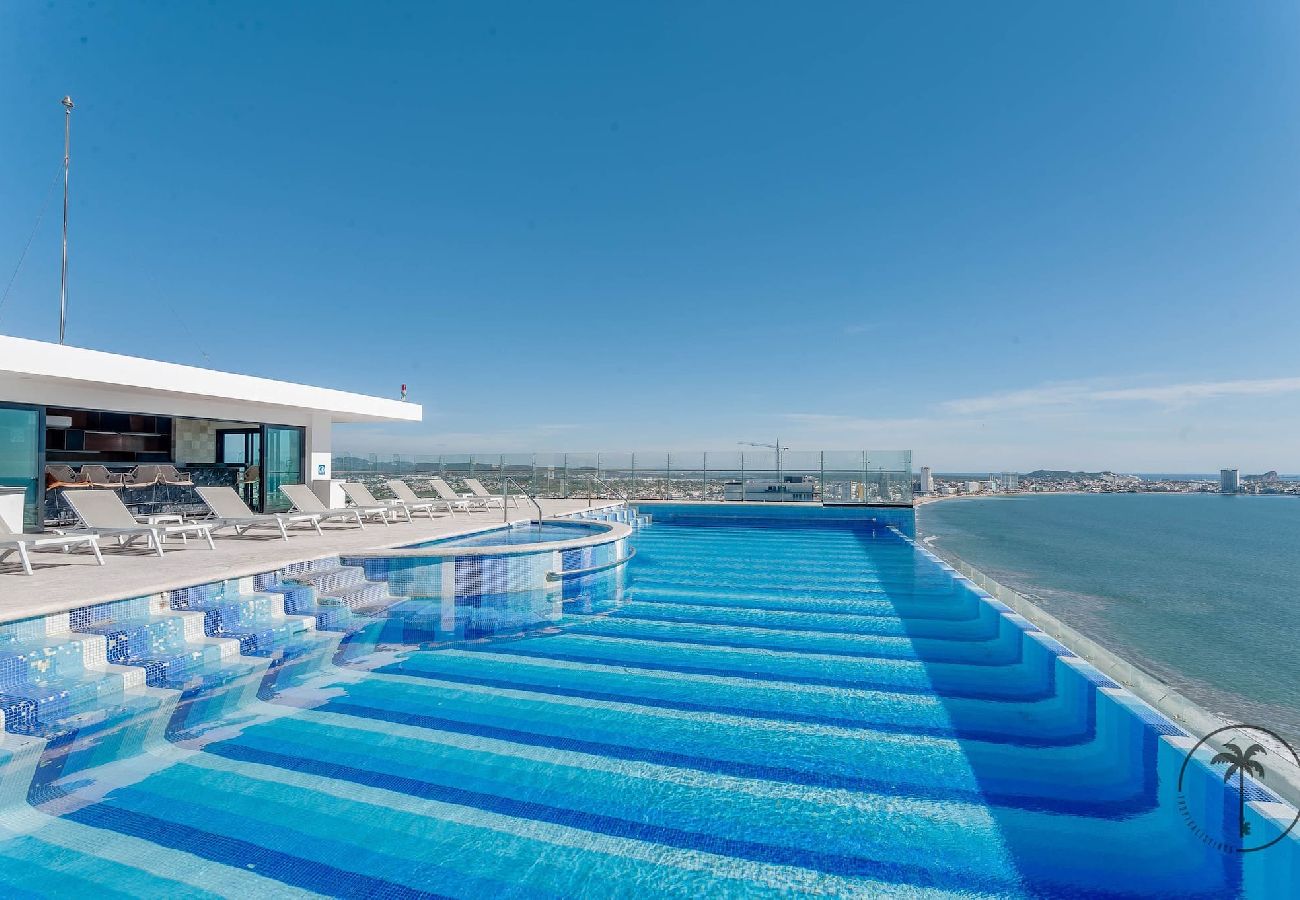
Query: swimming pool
point(755, 710)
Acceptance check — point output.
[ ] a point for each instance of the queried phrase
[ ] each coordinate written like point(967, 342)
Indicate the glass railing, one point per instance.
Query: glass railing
point(879, 477)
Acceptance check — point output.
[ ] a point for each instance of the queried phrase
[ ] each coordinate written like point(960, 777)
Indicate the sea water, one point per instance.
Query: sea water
point(1202, 590)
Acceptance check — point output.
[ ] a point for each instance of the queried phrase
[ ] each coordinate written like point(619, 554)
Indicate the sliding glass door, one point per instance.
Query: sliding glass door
point(22, 446)
point(241, 449)
point(282, 448)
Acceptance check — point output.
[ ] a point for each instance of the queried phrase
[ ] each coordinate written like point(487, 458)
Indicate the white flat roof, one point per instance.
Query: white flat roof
point(48, 374)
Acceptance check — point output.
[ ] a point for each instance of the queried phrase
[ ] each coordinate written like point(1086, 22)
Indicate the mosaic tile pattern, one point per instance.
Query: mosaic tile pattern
point(743, 710)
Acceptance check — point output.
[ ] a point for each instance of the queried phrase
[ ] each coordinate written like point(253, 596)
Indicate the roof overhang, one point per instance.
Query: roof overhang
point(48, 374)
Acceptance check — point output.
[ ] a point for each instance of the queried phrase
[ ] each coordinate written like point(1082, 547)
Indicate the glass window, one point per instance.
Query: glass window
point(234, 447)
point(20, 458)
point(283, 457)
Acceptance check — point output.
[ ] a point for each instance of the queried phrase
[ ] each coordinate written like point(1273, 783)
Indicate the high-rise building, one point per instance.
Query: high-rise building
point(926, 481)
point(1229, 481)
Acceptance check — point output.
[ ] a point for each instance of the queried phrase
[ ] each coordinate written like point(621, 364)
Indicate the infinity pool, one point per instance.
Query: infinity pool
point(759, 710)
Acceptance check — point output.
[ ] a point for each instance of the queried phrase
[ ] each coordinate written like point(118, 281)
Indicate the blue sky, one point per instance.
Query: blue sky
point(1004, 235)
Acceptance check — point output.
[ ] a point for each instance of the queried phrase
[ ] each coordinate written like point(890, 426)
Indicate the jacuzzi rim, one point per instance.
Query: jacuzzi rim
point(610, 531)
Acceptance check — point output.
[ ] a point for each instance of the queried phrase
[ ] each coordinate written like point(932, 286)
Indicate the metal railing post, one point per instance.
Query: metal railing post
point(704, 494)
point(668, 479)
point(864, 476)
point(822, 483)
point(633, 492)
point(742, 476)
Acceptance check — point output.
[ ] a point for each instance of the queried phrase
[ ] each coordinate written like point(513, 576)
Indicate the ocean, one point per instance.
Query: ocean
point(1201, 590)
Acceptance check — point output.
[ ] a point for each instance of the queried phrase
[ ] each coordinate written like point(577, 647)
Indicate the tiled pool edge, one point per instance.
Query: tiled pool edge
point(1178, 711)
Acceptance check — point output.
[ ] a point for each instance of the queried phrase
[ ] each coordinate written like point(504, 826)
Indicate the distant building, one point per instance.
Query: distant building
point(1229, 481)
point(925, 484)
point(972, 487)
point(1010, 481)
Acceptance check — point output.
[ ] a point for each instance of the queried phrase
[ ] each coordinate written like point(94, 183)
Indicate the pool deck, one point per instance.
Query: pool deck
point(64, 581)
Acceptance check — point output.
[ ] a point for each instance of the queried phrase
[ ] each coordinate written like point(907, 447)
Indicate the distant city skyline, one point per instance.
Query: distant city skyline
point(1006, 238)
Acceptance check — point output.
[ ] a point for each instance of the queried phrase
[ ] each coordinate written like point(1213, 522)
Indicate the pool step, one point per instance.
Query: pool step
point(339, 596)
point(72, 707)
point(54, 683)
point(626, 515)
point(333, 579)
point(257, 620)
point(346, 586)
point(172, 648)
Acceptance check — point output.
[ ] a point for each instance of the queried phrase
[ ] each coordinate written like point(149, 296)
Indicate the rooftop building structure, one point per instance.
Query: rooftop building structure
point(789, 488)
point(69, 407)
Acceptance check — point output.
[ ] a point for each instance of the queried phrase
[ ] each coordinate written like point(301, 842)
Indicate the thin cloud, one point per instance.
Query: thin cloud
point(1081, 393)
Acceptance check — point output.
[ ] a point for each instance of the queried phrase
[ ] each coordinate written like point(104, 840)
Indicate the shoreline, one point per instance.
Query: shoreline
point(1007, 495)
point(1183, 693)
point(1137, 676)
point(936, 498)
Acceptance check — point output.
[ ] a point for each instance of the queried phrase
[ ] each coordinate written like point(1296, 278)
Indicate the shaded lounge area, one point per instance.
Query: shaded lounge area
point(155, 462)
point(73, 420)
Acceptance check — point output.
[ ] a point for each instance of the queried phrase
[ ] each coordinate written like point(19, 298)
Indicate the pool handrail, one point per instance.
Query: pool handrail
point(591, 570)
point(505, 499)
point(613, 490)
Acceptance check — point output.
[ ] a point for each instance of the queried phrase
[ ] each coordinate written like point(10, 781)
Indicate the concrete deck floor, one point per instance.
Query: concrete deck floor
point(63, 581)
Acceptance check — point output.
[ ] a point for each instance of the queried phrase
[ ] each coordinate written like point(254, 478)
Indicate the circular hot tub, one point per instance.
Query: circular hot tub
point(524, 534)
point(499, 580)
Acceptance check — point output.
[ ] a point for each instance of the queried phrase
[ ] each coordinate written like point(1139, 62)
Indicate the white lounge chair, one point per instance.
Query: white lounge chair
point(446, 493)
point(361, 497)
point(305, 500)
point(490, 499)
point(413, 501)
point(104, 513)
point(230, 511)
point(16, 542)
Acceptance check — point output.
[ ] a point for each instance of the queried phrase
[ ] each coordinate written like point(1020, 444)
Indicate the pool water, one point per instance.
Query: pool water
point(765, 711)
point(530, 533)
